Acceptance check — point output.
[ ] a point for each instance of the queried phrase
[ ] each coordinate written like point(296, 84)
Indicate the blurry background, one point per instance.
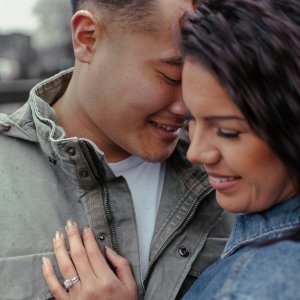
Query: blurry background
point(35, 43)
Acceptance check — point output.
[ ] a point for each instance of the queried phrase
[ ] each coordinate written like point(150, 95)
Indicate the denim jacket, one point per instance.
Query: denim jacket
point(248, 272)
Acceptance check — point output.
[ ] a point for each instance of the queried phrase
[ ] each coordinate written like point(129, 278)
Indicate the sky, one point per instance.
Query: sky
point(16, 16)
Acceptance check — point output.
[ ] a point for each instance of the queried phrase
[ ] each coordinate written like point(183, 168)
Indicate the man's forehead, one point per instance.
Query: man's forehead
point(171, 6)
point(170, 13)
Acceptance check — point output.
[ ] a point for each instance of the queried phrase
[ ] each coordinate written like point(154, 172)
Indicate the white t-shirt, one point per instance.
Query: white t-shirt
point(145, 181)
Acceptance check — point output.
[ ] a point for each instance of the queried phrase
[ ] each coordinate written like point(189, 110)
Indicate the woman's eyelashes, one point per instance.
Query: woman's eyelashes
point(228, 134)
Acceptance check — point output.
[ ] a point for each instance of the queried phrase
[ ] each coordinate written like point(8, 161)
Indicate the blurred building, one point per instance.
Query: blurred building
point(25, 60)
point(17, 57)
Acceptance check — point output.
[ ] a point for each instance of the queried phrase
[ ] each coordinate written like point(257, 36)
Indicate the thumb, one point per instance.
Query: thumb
point(123, 270)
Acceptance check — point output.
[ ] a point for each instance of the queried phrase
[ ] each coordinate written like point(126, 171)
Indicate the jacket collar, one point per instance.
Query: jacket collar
point(36, 120)
point(277, 221)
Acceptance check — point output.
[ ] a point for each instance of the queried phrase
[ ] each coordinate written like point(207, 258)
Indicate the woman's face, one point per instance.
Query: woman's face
point(247, 175)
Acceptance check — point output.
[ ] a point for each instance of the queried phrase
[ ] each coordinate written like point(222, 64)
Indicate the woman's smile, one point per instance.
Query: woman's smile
point(220, 182)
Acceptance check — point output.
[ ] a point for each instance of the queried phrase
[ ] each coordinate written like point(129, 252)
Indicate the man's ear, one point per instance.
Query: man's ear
point(85, 27)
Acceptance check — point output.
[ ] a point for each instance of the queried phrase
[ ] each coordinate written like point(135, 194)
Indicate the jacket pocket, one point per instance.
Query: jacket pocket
point(210, 253)
point(21, 277)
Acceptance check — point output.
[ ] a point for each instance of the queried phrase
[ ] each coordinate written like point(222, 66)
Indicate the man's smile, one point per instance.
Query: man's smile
point(165, 127)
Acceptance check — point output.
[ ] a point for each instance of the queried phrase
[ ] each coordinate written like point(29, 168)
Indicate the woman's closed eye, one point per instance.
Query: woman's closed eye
point(228, 134)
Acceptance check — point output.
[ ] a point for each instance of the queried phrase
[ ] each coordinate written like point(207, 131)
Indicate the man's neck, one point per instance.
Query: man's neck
point(72, 118)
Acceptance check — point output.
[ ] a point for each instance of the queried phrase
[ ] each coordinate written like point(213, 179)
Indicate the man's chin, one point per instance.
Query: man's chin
point(154, 153)
point(155, 157)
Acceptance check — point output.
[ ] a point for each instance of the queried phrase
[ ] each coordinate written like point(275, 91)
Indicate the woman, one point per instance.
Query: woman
point(241, 84)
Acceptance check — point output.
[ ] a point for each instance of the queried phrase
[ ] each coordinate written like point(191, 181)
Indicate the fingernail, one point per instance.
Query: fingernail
point(112, 251)
point(85, 229)
point(44, 261)
point(69, 224)
point(57, 236)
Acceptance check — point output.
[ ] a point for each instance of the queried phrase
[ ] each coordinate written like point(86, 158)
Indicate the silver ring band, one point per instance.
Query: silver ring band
point(68, 283)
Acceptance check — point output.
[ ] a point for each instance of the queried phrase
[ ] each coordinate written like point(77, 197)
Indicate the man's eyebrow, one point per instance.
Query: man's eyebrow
point(224, 118)
point(175, 61)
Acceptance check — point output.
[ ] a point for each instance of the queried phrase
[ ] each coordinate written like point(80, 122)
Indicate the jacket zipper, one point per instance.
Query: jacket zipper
point(105, 199)
point(177, 231)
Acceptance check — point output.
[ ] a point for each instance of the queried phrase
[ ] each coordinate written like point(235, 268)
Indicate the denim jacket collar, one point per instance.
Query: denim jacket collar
point(277, 221)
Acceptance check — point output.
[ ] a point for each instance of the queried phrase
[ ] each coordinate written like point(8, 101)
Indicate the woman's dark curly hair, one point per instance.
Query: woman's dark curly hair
point(252, 47)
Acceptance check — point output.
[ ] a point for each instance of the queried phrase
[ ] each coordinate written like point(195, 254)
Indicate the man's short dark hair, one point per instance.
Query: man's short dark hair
point(138, 15)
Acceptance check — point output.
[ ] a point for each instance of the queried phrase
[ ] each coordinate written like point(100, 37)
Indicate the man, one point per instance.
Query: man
point(104, 155)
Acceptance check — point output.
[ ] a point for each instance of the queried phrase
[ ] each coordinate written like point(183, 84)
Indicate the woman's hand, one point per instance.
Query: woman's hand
point(97, 280)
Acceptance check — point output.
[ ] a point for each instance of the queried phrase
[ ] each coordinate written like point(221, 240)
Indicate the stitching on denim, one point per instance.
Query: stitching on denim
point(235, 271)
point(252, 238)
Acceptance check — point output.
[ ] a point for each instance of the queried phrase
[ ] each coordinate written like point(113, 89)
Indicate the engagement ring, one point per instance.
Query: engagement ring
point(68, 283)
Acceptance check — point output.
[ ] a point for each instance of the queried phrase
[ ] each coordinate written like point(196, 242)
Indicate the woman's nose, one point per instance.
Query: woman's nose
point(203, 155)
point(202, 151)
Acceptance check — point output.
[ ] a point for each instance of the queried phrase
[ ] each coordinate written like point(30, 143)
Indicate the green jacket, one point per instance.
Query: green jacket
point(43, 184)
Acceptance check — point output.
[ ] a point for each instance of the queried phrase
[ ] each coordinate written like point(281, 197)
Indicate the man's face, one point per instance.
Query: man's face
point(132, 96)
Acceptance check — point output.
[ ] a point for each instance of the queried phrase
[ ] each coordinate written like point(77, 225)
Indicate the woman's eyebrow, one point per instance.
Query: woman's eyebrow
point(224, 118)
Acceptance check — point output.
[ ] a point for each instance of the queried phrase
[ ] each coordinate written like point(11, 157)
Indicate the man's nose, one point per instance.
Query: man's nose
point(177, 107)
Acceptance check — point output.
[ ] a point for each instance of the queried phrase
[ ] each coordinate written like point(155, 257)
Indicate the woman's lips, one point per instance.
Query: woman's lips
point(223, 183)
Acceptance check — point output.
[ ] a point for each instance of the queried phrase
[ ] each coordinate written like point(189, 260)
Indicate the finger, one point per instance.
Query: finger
point(54, 286)
point(64, 262)
point(96, 259)
point(78, 252)
point(122, 269)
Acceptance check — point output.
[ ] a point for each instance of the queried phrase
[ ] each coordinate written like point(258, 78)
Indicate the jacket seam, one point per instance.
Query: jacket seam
point(173, 213)
point(235, 271)
point(180, 167)
point(35, 140)
point(254, 237)
point(137, 234)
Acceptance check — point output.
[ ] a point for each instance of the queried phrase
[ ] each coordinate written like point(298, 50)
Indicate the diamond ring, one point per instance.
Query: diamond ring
point(68, 283)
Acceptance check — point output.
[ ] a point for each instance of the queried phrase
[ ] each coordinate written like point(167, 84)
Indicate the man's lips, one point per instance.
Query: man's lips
point(168, 127)
point(222, 182)
point(168, 132)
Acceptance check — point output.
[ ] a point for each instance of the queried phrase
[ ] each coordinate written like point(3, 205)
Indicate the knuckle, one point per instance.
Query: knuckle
point(47, 274)
point(66, 268)
point(93, 253)
point(91, 292)
point(55, 291)
point(71, 232)
point(57, 246)
point(108, 286)
point(78, 255)
point(88, 235)
point(124, 262)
